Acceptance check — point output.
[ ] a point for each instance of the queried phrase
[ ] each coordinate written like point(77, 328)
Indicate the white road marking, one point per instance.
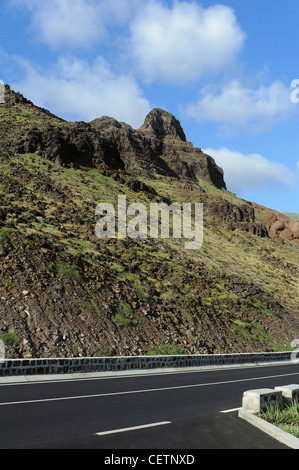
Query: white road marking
point(230, 411)
point(133, 428)
point(162, 389)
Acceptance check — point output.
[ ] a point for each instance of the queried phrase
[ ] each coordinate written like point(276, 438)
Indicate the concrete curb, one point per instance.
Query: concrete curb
point(270, 429)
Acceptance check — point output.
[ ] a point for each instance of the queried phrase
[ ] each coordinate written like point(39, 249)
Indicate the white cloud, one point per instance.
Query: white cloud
point(251, 171)
point(238, 106)
point(75, 23)
point(79, 91)
point(183, 42)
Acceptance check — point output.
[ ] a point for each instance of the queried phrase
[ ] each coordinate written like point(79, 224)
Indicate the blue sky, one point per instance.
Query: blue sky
point(223, 69)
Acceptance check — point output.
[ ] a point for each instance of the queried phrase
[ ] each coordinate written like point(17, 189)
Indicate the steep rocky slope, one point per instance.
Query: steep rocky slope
point(65, 292)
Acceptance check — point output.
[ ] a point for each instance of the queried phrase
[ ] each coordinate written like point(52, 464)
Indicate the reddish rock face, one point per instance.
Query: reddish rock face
point(279, 225)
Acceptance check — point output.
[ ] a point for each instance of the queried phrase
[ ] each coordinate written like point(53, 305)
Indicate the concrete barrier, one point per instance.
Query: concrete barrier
point(262, 400)
point(14, 367)
point(290, 393)
point(257, 401)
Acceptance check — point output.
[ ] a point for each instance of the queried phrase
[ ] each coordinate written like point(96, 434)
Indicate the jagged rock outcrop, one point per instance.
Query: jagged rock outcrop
point(163, 125)
point(181, 157)
point(159, 146)
point(139, 152)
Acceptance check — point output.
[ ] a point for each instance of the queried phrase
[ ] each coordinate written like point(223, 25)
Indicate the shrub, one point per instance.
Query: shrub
point(122, 321)
point(5, 242)
point(165, 350)
point(66, 271)
point(125, 309)
point(10, 339)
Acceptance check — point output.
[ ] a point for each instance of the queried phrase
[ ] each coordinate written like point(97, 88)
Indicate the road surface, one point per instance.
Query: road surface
point(169, 409)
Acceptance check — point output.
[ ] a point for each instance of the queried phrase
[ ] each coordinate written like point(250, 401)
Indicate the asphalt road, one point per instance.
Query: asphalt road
point(171, 410)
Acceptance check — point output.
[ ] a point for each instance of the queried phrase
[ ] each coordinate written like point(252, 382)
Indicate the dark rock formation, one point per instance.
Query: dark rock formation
point(76, 145)
point(231, 212)
point(235, 216)
point(158, 148)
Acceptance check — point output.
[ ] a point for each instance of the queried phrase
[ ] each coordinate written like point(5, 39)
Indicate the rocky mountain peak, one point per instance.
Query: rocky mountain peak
point(16, 99)
point(163, 124)
point(13, 98)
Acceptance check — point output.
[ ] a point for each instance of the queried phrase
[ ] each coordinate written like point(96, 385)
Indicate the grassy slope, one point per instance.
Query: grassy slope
point(292, 216)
